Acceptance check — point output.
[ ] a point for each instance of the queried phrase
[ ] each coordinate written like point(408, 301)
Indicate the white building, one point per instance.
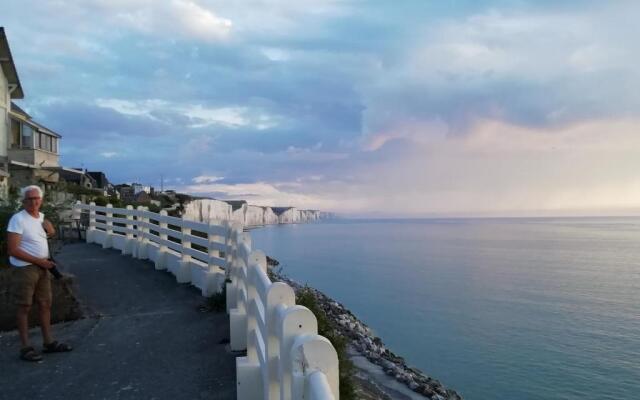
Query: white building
point(137, 188)
point(10, 88)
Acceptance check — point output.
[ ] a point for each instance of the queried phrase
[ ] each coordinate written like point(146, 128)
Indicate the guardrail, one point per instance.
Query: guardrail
point(286, 358)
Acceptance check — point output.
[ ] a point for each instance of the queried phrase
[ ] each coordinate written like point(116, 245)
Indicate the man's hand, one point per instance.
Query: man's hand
point(46, 264)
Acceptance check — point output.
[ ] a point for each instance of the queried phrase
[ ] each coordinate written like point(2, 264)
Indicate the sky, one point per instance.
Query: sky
point(364, 108)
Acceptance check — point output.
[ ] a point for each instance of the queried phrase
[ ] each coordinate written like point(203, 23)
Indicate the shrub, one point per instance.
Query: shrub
point(7, 209)
point(218, 301)
point(305, 297)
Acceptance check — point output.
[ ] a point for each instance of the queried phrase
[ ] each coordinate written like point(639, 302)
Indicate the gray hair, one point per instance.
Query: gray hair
point(25, 190)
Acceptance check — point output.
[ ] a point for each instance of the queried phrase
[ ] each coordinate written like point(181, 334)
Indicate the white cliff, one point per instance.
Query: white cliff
point(254, 216)
point(270, 218)
point(287, 215)
point(207, 210)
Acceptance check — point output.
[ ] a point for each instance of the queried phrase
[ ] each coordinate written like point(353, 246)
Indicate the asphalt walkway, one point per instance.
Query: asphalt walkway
point(144, 337)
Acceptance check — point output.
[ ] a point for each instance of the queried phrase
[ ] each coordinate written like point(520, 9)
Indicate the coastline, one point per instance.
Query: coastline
point(380, 372)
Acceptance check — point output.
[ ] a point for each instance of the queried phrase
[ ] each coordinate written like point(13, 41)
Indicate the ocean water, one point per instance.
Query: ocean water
point(511, 309)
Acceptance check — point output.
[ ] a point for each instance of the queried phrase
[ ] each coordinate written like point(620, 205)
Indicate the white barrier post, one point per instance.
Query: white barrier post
point(129, 241)
point(92, 223)
point(108, 239)
point(253, 367)
point(214, 279)
point(233, 266)
point(279, 295)
point(184, 273)
point(76, 213)
point(292, 322)
point(139, 234)
point(161, 259)
point(309, 354)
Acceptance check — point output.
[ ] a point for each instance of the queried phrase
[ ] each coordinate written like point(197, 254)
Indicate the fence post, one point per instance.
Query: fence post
point(161, 259)
point(292, 322)
point(279, 295)
point(139, 233)
point(184, 273)
point(233, 264)
point(89, 236)
point(309, 354)
point(108, 239)
point(129, 243)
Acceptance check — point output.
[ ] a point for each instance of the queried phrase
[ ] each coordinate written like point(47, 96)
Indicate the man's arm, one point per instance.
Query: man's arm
point(48, 228)
point(13, 245)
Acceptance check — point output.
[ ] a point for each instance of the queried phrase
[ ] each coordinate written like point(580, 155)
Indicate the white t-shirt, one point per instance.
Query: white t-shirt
point(34, 238)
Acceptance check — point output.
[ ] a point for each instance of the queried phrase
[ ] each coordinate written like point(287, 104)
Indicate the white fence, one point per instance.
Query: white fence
point(286, 358)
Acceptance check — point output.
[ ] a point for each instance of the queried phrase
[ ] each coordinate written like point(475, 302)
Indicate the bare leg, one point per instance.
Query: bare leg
point(22, 317)
point(45, 321)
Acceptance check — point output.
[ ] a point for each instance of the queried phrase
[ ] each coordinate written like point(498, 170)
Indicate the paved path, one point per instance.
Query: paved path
point(143, 338)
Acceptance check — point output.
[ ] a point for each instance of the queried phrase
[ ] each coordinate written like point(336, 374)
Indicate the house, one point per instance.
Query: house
point(137, 188)
point(33, 150)
point(10, 89)
point(101, 179)
point(28, 150)
point(126, 192)
point(77, 176)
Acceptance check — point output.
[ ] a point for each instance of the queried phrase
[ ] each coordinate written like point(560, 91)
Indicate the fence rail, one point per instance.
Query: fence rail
point(286, 358)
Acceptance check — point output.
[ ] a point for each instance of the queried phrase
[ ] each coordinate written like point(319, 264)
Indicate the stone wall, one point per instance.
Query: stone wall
point(65, 305)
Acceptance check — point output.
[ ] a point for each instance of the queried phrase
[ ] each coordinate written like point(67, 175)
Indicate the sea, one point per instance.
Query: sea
point(497, 309)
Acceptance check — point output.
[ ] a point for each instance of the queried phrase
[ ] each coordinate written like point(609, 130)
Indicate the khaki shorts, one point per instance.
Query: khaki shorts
point(30, 282)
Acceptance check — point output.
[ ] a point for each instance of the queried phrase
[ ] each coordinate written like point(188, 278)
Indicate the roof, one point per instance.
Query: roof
point(9, 68)
point(16, 110)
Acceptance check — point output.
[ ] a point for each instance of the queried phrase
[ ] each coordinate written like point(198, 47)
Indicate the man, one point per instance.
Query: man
point(29, 255)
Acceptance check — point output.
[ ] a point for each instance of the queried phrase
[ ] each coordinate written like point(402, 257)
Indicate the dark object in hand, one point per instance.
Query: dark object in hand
point(54, 271)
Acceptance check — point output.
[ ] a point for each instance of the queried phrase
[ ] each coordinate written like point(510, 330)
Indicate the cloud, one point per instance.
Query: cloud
point(535, 67)
point(197, 115)
point(500, 168)
point(206, 179)
point(187, 19)
point(425, 108)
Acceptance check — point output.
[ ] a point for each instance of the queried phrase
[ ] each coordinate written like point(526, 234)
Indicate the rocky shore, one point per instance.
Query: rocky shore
point(366, 344)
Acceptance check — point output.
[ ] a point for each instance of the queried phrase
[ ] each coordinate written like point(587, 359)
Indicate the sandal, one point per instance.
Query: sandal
point(30, 354)
point(56, 347)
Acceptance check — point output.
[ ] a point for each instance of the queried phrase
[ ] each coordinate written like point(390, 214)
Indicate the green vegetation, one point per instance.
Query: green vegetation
point(305, 297)
point(218, 301)
point(7, 209)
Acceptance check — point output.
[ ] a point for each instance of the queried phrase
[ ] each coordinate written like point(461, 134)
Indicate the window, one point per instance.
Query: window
point(15, 133)
point(54, 146)
point(27, 136)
